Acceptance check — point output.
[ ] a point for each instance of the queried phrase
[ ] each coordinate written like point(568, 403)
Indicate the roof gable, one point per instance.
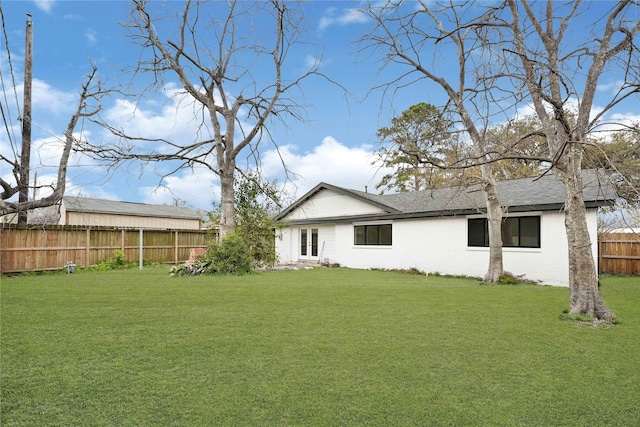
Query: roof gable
point(326, 200)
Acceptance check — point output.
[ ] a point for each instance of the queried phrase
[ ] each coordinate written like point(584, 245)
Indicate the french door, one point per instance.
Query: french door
point(308, 243)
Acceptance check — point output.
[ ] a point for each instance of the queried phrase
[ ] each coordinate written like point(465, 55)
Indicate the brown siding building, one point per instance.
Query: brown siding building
point(110, 213)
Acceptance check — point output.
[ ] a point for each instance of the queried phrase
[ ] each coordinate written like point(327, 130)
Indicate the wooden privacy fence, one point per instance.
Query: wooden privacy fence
point(51, 247)
point(619, 253)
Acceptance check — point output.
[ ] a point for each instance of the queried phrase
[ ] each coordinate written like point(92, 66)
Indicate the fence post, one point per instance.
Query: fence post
point(599, 253)
point(141, 247)
point(87, 253)
point(175, 252)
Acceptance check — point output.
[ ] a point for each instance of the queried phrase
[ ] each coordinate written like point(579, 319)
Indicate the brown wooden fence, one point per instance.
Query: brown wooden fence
point(619, 253)
point(51, 247)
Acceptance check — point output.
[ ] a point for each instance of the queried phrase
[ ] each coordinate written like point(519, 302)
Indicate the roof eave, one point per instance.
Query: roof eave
point(441, 213)
point(324, 186)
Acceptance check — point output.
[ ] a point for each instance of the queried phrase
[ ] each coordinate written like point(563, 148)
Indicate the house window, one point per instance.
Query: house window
point(377, 235)
point(517, 232)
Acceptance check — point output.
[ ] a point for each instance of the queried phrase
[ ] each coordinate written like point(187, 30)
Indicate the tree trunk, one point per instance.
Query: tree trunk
point(583, 278)
point(494, 221)
point(227, 207)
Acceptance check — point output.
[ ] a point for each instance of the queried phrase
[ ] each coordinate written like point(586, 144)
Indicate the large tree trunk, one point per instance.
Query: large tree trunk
point(227, 207)
point(494, 221)
point(583, 277)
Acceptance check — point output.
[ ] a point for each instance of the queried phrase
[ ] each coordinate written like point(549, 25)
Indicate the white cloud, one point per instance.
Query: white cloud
point(45, 182)
point(180, 120)
point(45, 98)
point(91, 36)
point(325, 22)
point(328, 19)
point(177, 118)
point(45, 5)
point(198, 187)
point(311, 61)
point(174, 121)
point(610, 87)
point(627, 118)
point(45, 160)
point(341, 18)
point(52, 100)
point(352, 16)
point(72, 17)
point(616, 122)
point(331, 162)
point(46, 152)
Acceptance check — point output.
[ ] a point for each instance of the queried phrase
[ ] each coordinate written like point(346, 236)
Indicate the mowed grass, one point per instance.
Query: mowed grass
point(326, 347)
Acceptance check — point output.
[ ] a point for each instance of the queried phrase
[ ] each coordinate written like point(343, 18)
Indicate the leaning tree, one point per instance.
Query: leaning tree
point(232, 59)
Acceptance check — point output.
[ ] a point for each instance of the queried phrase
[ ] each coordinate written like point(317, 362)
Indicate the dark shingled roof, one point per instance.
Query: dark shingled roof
point(81, 204)
point(518, 195)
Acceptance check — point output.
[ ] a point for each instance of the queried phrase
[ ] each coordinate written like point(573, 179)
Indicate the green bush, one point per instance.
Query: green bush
point(231, 256)
point(260, 244)
point(507, 278)
point(118, 260)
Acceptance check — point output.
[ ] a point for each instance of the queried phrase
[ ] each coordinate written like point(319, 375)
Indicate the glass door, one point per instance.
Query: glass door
point(308, 243)
point(303, 242)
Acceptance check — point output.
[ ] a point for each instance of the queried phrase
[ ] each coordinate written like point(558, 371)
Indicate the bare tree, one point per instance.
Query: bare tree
point(89, 104)
point(230, 58)
point(618, 155)
point(553, 76)
point(404, 35)
point(519, 57)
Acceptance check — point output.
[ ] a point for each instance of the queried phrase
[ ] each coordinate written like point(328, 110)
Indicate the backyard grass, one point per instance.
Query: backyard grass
point(326, 347)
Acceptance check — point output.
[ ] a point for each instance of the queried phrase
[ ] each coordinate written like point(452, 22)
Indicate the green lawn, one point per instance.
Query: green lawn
point(329, 347)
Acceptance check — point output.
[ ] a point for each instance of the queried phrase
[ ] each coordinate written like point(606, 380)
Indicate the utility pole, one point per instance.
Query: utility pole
point(25, 158)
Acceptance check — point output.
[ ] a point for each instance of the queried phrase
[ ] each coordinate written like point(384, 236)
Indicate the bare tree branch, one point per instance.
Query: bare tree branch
point(89, 105)
point(511, 54)
point(233, 73)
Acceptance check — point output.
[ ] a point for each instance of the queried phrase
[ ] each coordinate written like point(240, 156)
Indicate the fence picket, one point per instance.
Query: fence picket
point(619, 253)
point(51, 247)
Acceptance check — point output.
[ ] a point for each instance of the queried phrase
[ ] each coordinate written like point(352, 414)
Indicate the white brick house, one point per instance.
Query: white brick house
point(441, 231)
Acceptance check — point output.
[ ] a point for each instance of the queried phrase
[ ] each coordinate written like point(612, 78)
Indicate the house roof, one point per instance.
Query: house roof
point(100, 206)
point(517, 195)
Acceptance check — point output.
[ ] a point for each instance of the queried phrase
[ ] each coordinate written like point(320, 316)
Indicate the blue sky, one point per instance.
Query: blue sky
point(334, 144)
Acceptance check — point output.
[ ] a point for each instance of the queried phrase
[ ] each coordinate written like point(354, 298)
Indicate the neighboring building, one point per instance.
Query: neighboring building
point(634, 230)
point(109, 213)
point(11, 218)
point(443, 230)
